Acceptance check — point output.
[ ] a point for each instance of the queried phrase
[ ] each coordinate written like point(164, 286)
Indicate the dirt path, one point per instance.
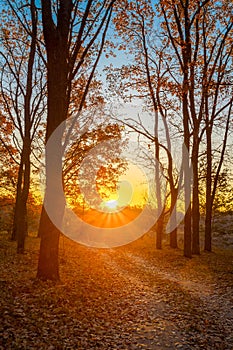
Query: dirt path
point(127, 298)
point(181, 312)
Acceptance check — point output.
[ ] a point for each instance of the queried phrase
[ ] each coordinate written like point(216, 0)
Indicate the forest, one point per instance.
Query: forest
point(116, 174)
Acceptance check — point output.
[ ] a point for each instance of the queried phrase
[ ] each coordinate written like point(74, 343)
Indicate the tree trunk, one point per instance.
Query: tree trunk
point(186, 54)
point(159, 225)
point(159, 231)
point(208, 228)
point(173, 233)
point(57, 82)
point(52, 214)
point(195, 208)
point(173, 239)
point(208, 217)
point(48, 267)
point(17, 206)
point(21, 220)
point(22, 227)
point(187, 182)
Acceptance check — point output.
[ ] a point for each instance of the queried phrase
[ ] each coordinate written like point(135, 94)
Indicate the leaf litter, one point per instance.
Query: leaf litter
point(132, 297)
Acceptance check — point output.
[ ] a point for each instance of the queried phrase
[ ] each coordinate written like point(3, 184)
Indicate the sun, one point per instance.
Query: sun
point(111, 205)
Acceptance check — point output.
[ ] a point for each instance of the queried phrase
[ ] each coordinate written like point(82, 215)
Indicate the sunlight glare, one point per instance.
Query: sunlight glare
point(111, 204)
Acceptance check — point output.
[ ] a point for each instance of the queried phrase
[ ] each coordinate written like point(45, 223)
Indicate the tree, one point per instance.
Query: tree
point(199, 33)
point(22, 92)
point(106, 175)
point(142, 79)
point(188, 59)
point(217, 95)
point(181, 21)
point(70, 32)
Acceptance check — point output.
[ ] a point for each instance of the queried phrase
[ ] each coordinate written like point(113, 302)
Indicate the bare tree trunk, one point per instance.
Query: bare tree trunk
point(159, 231)
point(173, 233)
point(173, 239)
point(17, 206)
point(187, 179)
point(48, 266)
point(208, 215)
point(159, 225)
point(21, 219)
point(187, 223)
point(195, 202)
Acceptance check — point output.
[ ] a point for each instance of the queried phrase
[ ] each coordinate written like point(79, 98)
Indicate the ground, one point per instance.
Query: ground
point(132, 297)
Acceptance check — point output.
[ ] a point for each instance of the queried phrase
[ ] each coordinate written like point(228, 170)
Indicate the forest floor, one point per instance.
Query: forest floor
point(132, 297)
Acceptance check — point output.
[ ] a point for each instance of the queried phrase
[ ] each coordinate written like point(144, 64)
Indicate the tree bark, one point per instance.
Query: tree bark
point(173, 233)
point(17, 206)
point(208, 214)
point(48, 267)
point(159, 225)
point(195, 201)
point(21, 220)
point(187, 179)
point(57, 112)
